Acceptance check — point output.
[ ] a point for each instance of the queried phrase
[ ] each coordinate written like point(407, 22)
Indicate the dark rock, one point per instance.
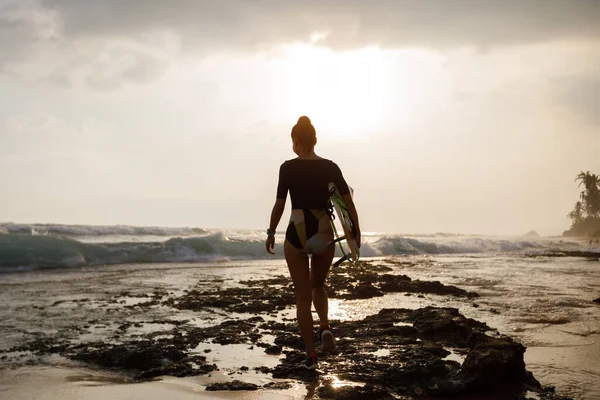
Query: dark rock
point(493, 363)
point(364, 281)
point(292, 340)
point(277, 385)
point(417, 368)
point(233, 385)
point(327, 391)
point(263, 369)
point(361, 291)
point(291, 368)
point(445, 325)
point(280, 280)
point(124, 327)
point(275, 350)
point(592, 255)
point(597, 300)
point(147, 358)
point(254, 337)
point(238, 299)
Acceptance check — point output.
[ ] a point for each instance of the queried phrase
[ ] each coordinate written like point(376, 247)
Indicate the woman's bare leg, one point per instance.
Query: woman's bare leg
point(297, 262)
point(320, 265)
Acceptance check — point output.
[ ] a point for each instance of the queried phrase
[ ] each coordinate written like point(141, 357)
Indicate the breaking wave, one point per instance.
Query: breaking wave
point(26, 251)
point(394, 245)
point(92, 230)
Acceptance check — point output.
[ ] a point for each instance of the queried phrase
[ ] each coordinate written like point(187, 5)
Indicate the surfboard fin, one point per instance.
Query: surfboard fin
point(342, 259)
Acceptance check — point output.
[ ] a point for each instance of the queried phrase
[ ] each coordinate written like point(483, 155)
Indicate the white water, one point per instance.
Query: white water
point(74, 246)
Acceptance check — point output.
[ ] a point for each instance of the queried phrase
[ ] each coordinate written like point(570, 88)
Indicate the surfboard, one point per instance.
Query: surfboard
point(343, 216)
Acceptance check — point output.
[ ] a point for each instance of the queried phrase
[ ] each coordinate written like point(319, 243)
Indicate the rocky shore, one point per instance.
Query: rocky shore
point(431, 352)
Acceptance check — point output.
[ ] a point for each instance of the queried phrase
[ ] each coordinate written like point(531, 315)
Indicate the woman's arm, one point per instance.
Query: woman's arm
point(353, 214)
point(275, 218)
point(276, 213)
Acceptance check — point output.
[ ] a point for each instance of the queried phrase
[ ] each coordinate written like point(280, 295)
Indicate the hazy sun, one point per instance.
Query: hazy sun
point(344, 94)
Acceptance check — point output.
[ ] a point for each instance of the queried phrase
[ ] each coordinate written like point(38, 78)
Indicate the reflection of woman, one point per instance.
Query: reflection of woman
point(309, 231)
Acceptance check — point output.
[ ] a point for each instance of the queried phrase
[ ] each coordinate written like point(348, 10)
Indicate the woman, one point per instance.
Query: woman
point(309, 231)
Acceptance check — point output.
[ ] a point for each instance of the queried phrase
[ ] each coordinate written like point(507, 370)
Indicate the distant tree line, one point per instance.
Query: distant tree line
point(585, 217)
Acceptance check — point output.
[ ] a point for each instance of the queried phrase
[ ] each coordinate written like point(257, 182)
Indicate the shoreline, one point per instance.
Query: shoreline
point(199, 302)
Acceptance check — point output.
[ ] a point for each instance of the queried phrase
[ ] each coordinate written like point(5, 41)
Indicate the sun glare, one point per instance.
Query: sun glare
point(344, 94)
point(352, 94)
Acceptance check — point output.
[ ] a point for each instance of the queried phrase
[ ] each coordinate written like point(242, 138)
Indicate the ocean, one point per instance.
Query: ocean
point(530, 288)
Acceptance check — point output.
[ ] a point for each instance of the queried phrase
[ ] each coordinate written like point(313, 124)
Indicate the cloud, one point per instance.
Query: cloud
point(85, 41)
point(582, 94)
point(34, 124)
point(125, 65)
point(22, 28)
point(350, 23)
point(43, 140)
point(36, 44)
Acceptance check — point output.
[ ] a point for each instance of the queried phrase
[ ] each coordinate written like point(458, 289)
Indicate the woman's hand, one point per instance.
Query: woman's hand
point(275, 217)
point(269, 244)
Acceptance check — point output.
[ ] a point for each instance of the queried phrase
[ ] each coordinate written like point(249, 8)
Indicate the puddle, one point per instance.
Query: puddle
point(454, 357)
point(381, 353)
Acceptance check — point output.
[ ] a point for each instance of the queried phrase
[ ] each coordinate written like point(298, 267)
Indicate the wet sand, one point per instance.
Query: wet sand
point(61, 383)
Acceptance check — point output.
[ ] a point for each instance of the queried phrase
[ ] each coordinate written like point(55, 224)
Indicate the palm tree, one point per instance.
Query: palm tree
point(576, 215)
point(591, 195)
point(585, 216)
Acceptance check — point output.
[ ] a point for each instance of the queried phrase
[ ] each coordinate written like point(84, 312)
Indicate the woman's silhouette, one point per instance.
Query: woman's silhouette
point(309, 231)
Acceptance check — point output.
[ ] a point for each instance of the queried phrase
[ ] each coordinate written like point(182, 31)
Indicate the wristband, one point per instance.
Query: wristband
point(270, 232)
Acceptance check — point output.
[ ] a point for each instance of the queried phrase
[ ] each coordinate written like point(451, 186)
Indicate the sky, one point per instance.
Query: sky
point(461, 116)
